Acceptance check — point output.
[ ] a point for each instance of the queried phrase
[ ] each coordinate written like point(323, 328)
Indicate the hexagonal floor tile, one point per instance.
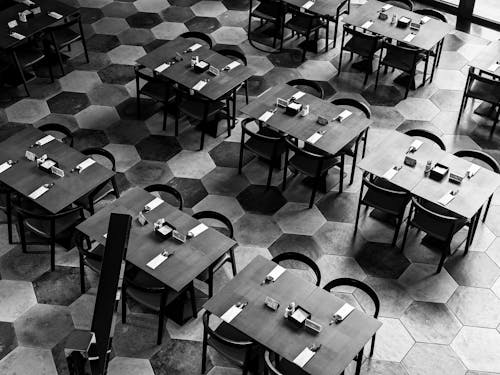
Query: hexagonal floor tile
point(68, 102)
point(128, 132)
point(27, 111)
point(339, 239)
point(256, 230)
point(126, 55)
point(258, 199)
point(382, 260)
point(417, 109)
point(17, 297)
point(476, 307)
point(158, 148)
point(169, 30)
point(228, 206)
point(118, 74)
point(110, 26)
point(153, 6)
point(59, 287)
point(227, 154)
point(478, 348)
point(143, 20)
point(119, 9)
point(97, 117)
point(339, 207)
point(79, 81)
point(203, 24)
point(296, 243)
point(129, 366)
point(386, 118)
point(177, 14)
point(126, 156)
point(82, 311)
point(383, 96)
point(136, 37)
point(147, 172)
point(8, 340)
point(447, 100)
point(393, 341)
point(334, 267)
point(230, 35)
point(206, 8)
point(102, 43)
point(317, 70)
point(224, 181)
point(190, 164)
point(85, 138)
point(298, 218)
point(449, 79)
point(16, 265)
point(476, 269)
point(23, 360)
point(164, 363)
point(191, 188)
point(432, 359)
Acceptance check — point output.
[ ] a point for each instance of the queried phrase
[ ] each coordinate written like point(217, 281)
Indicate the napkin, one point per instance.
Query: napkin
point(415, 145)
point(493, 67)
point(275, 273)
point(298, 95)
point(425, 19)
point(44, 140)
point(39, 192)
point(105, 235)
point(409, 37)
point(84, 165)
point(387, 7)
point(55, 15)
point(266, 116)
point(156, 261)
point(194, 47)
point(5, 166)
point(473, 169)
point(199, 85)
point(308, 4)
point(304, 357)
point(367, 24)
point(390, 173)
point(153, 204)
point(230, 314)
point(17, 35)
point(232, 65)
point(197, 230)
point(447, 198)
point(345, 114)
point(162, 67)
point(343, 312)
point(314, 138)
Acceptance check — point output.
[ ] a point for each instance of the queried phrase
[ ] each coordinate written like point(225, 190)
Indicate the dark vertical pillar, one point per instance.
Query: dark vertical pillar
point(464, 15)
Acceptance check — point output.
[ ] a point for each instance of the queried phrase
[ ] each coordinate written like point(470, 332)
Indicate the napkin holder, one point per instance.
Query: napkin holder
point(201, 66)
point(271, 304)
point(293, 108)
point(312, 326)
point(403, 22)
point(296, 323)
point(455, 178)
point(438, 172)
point(415, 26)
point(382, 15)
point(163, 229)
point(47, 165)
point(322, 120)
point(409, 161)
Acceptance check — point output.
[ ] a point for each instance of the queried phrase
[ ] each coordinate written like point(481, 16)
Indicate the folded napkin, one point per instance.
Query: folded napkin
point(199, 85)
point(387, 7)
point(275, 273)
point(447, 198)
point(343, 312)
point(308, 4)
point(84, 165)
point(367, 24)
point(314, 138)
point(390, 173)
point(197, 230)
point(415, 145)
point(162, 67)
point(473, 169)
point(409, 37)
point(232, 65)
point(298, 95)
point(232, 313)
point(194, 47)
point(39, 192)
point(153, 204)
point(425, 19)
point(17, 35)
point(5, 166)
point(345, 114)
point(266, 116)
point(44, 140)
point(157, 260)
point(55, 15)
point(304, 357)
point(493, 67)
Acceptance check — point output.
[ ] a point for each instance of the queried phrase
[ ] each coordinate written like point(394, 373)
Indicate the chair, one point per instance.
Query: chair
point(311, 164)
point(432, 14)
point(226, 229)
point(422, 133)
point(63, 35)
point(151, 293)
point(171, 191)
point(401, 57)
point(227, 341)
point(486, 159)
point(345, 281)
point(108, 187)
point(301, 259)
point(198, 35)
point(201, 109)
point(303, 24)
point(90, 256)
point(343, 8)
point(45, 226)
point(482, 88)
point(352, 149)
point(156, 88)
point(381, 197)
point(268, 11)
point(438, 223)
point(405, 4)
point(364, 45)
point(58, 128)
point(270, 366)
point(306, 85)
point(6, 207)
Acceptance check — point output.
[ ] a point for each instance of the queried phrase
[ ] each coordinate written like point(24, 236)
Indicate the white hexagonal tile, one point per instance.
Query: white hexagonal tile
point(23, 360)
point(97, 117)
point(260, 64)
point(79, 81)
point(126, 156)
point(27, 111)
point(169, 30)
point(17, 297)
point(129, 366)
point(449, 79)
point(227, 206)
point(191, 164)
point(126, 54)
point(317, 70)
point(298, 218)
point(230, 35)
point(206, 8)
point(393, 341)
point(478, 348)
point(110, 26)
point(432, 359)
point(151, 6)
point(477, 307)
point(417, 109)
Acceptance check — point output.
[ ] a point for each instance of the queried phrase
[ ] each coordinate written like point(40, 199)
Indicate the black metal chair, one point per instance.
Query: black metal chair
point(432, 13)
point(364, 45)
point(343, 8)
point(236, 54)
point(229, 342)
point(401, 57)
point(405, 4)
point(155, 88)
point(352, 149)
point(482, 88)
point(308, 86)
point(58, 128)
point(383, 198)
point(486, 159)
point(438, 223)
point(422, 133)
point(345, 281)
point(106, 188)
point(268, 11)
point(298, 258)
point(227, 230)
point(162, 189)
point(89, 255)
point(198, 35)
point(64, 35)
point(315, 164)
point(6, 207)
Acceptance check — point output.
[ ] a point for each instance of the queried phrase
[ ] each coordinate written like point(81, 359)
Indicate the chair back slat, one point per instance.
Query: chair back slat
point(298, 257)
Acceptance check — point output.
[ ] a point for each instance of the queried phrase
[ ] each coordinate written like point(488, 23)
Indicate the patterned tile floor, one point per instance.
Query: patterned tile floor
point(433, 324)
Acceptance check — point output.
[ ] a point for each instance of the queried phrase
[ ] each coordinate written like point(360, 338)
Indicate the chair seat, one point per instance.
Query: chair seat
point(95, 264)
point(484, 91)
point(156, 91)
point(268, 11)
point(99, 195)
point(196, 110)
point(28, 56)
point(360, 46)
point(400, 60)
point(148, 299)
point(385, 203)
point(263, 149)
point(66, 36)
point(308, 167)
point(42, 227)
point(289, 368)
point(302, 23)
point(236, 355)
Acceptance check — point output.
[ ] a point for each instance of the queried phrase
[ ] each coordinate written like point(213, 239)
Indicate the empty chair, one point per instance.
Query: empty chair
point(308, 86)
point(482, 88)
point(314, 164)
point(364, 45)
point(236, 54)
point(401, 57)
point(222, 224)
point(228, 342)
point(422, 133)
point(383, 198)
point(90, 255)
point(299, 261)
point(67, 136)
point(166, 191)
point(486, 159)
point(344, 7)
point(438, 223)
point(432, 13)
point(405, 4)
point(268, 11)
point(352, 149)
point(198, 35)
point(64, 35)
point(267, 147)
point(107, 187)
point(6, 206)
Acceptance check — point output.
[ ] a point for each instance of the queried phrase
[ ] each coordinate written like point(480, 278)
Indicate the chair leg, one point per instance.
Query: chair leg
point(240, 164)
point(193, 300)
point(210, 283)
point(124, 303)
point(495, 122)
point(487, 208)
point(405, 234)
point(373, 344)
point(365, 141)
point(204, 352)
point(377, 76)
point(270, 174)
point(359, 361)
point(165, 119)
point(202, 140)
point(161, 317)
point(59, 59)
point(354, 159)
point(8, 212)
point(342, 163)
point(233, 262)
point(441, 262)
point(116, 191)
point(82, 274)
point(315, 188)
point(396, 231)
point(340, 61)
point(22, 234)
point(52, 254)
point(246, 91)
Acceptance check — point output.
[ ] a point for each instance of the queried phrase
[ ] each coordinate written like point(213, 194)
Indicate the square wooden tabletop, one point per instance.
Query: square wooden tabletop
point(35, 24)
point(337, 135)
point(472, 193)
point(326, 8)
point(340, 343)
point(488, 56)
point(430, 33)
point(189, 259)
point(182, 73)
point(25, 177)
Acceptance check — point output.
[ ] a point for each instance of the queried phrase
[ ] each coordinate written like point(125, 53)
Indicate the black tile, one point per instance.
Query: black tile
point(128, 108)
point(59, 287)
point(102, 43)
point(177, 14)
point(227, 154)
point(183, 3)
point(258, 199)
point(203, 24)
point(136, 37)
point(187, 359)
point(158, 147)
point(68, 102)
point(85, 138)
point(384, 95)
point(154, 45)
point(144, 20)
point(127, 132)
point(236, 4)
point(382, 260)
point(117, 73)
point(339, 206)
point(192, 190)
point(119, 9)
point(288, 58)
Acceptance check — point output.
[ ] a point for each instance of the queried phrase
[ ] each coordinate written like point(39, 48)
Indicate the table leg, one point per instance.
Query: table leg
point(359, 361)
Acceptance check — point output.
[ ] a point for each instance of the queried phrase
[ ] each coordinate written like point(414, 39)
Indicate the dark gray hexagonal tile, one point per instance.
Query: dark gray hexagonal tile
point(68, 102)
point(154, 45)
point(117, 73)
point(227, 154)
point(382, 260)
point(148, 172)
point(142, 20)
point(158, 148)
point(119, 9)
point(97, 61)
point(127, 132)
point(452, 43)
point(136, 37)
point(192, 190)
point(8, 340)
point(90, 15)
point(384, 95)
point(128, 109)
point(257, 85)
point(59, 287)
point(225, 181)
point(137, 337)
point(339, 207)
point(203, 24)
point(296, 243)
point(288, 58)
point(85, 138)
point(177, 14)
point(186, 361)
point(16, 265)
point(102, 43)
point(183, 3)
point(259, 199)
point(236, 4)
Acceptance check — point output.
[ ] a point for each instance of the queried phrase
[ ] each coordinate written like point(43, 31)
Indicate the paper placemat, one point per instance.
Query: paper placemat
point(298, 95)
point(387, 6)
point(493, 67)
point(304, 357)
point(308, 5)
point(199, 85)
point(55, 15)
point(153, 204)
point(343, 312)
point(473, 169)
point(232, 65)
point(314, 138)
point(343, 115)
point(194, 47)
point(230, 314)
point(39, 192)
point(447, 198)
point(276, 273)
point(415, 145)
point(197, 230)
point(266, 116)
point(17, 35)
point(5, 166)
point(156, 261)
point(85, 164)
point(367, 24)
point(44, 140)
point(409, 37)
point(162, 67)
point(390, 173)
point(425, 19)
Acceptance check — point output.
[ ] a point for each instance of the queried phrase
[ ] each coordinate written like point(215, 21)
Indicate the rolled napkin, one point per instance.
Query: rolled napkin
point(44, 140)
point(84, 165)
point(232, 65)
point(197, 230)
point(275, 273)
point(39, 192)
point(409, 37)
point(199, 85)
point(5, 166)
point(162, 67)
point(314, 138)
point(415, 145)
point(447, 198)
point(387, 6)
point(367, 24)
point(343, 115)
point(157, 260)
point(493, 67)
point(425, 19)
point(17, 35)
point(233, 312)
point(391, 173)
point(304, 357)
point(266, 116)
point(194, 47)
point(298, 95)
point(55, 15)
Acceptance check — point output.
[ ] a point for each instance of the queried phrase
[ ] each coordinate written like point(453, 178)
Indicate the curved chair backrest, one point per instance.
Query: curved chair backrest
point(351, 102)
point(480, 155)
point(261, 137)
point(428, 135)
point(306, 85)
point(234, 54)
point(161, 188)
point(393, 198)
point(220, 338)
point(346, 281)
point(432, 13)
point(494, 85)
point(198, 35)
point(298, 257)
point(103, 153)
point(405, 4)
point(403, 49)
point(269, 364)
point(367, 39)
point(431, 222)
point(213, 215)
point(73, 20)
point(84, 246)
point(58, 128)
